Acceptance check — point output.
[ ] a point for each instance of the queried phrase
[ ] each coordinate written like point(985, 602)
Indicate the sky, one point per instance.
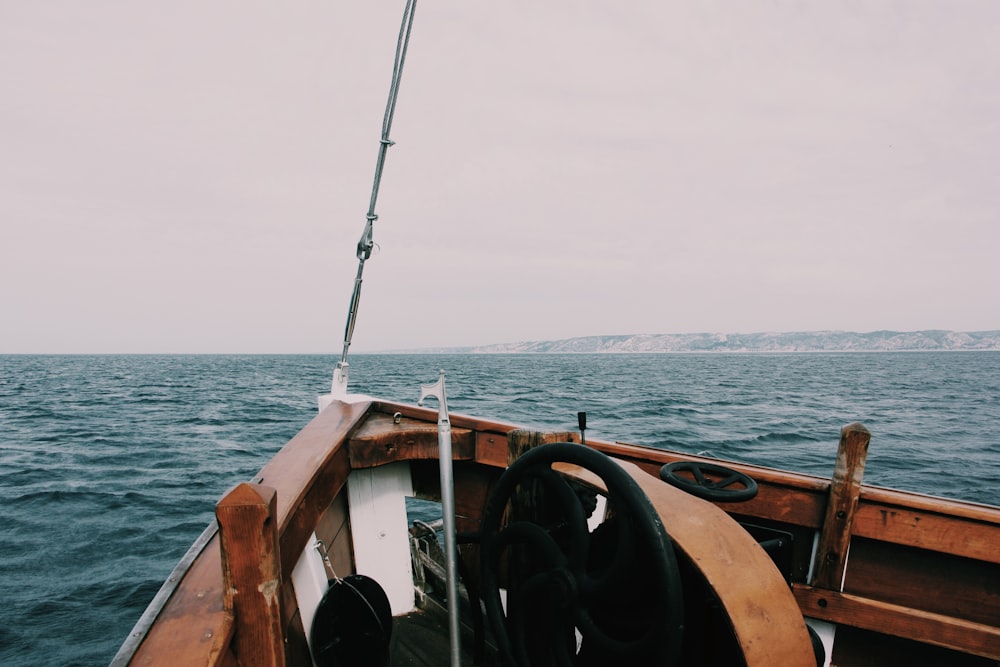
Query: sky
point(193, 176)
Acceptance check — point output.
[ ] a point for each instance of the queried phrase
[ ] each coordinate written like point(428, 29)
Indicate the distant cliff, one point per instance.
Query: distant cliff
point(806, 341)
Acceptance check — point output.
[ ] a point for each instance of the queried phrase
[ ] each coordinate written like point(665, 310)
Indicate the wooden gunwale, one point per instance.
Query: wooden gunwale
point(190, 625)
point(900, 517)
point(647, 458)
point(961, 528)
point(308, 473)
point(173, 580)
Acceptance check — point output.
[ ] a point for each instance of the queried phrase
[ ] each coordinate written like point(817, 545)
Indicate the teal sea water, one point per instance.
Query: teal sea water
point(110, 466)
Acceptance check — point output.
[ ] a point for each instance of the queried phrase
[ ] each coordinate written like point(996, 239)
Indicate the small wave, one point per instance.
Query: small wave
point(24, 477)
point(783, 438)
point(668, 443)
point(110, 590)
point(260, 419)
point(79, 500)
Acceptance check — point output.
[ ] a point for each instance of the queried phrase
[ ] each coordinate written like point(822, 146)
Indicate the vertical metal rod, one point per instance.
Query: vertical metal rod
point(437, 391)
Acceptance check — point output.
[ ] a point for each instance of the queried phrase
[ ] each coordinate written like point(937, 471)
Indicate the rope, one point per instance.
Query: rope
point(365, 243)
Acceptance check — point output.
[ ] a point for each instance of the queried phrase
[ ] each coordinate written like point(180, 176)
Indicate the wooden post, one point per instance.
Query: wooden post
point(845, 489)
point(251, 573)
point(520, 441)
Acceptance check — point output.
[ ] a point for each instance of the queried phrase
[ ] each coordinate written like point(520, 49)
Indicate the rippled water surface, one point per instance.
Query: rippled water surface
point(110, 466)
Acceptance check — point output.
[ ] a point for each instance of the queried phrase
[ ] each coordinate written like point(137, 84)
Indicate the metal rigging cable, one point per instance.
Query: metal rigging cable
point(365, 243)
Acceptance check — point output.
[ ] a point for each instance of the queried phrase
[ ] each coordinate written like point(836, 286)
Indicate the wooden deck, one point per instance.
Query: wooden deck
point(420, 639)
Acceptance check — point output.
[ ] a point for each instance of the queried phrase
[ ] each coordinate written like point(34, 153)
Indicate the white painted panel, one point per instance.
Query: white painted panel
point(827, 633)
point(377, 498)
point(310, 581)
point(600, 513)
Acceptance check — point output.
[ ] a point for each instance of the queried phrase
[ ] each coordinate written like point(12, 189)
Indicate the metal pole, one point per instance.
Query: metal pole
point(437, 391)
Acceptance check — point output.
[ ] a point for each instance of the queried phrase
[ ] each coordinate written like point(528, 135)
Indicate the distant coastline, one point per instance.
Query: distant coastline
point(801, 341)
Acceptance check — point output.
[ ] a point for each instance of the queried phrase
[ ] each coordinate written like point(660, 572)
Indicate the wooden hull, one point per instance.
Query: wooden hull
point(885, 576)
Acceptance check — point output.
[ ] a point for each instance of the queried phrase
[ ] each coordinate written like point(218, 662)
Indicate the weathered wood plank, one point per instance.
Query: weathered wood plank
point(845, 489)
point(251, 573)
point(936, 629)
point(928, 580)
point(856, 647)
point(491, 449)
point(382, 440)
point(956, 533)
point(193, 628)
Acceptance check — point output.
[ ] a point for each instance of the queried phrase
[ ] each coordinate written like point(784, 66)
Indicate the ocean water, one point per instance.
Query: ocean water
point(110, 466)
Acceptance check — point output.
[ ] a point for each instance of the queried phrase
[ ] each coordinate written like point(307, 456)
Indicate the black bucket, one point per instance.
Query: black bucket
point(353, 624)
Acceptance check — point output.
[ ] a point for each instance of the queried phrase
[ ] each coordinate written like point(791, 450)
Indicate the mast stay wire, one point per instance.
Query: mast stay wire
point(366, 242)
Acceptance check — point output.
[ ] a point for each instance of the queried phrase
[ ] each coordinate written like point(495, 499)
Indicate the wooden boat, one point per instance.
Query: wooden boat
point(571, 552)
point(881, 576)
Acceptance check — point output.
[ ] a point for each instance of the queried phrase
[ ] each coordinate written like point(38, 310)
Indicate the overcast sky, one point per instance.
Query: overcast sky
point(193, 176)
